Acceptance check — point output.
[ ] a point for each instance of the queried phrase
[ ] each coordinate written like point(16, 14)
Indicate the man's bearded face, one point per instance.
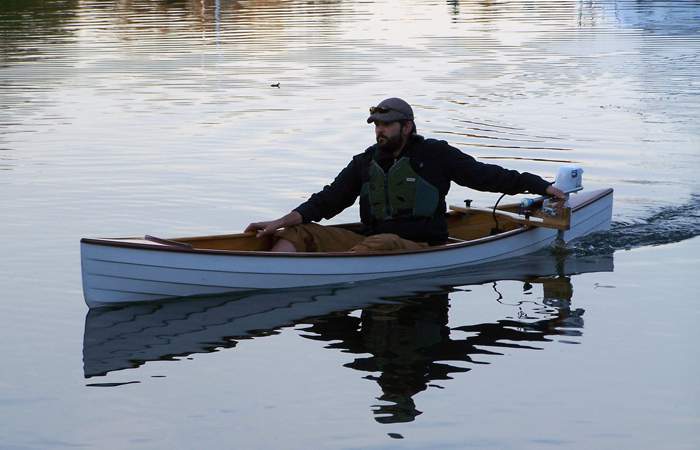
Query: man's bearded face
point(388, 134)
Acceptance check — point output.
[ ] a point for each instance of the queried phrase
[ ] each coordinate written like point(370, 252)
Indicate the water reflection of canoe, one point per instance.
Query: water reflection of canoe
point(126, 336)
point(135, 269)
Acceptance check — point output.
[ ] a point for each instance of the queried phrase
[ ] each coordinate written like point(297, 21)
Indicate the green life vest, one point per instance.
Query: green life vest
point(400, 193)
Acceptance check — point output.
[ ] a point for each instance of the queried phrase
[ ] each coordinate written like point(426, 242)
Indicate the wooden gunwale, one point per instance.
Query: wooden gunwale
point(437, 248)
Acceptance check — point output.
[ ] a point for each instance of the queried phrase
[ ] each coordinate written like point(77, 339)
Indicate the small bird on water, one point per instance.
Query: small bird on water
point(277, 85)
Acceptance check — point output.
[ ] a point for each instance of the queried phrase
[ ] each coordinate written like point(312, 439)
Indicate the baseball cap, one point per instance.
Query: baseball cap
point(390, 110)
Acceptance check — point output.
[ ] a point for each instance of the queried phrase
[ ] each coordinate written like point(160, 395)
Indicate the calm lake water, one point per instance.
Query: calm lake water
point(132, 117)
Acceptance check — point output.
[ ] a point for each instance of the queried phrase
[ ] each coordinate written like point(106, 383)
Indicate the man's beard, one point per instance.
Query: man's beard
point(389, 144)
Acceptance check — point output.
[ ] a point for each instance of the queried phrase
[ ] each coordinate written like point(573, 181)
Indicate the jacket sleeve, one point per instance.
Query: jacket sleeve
point(467, 171)
point(334, 198)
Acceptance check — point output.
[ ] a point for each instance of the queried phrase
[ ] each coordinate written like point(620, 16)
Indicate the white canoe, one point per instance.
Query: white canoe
point(121, 270)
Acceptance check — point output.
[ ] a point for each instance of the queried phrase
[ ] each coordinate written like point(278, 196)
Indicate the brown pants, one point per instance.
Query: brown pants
point(312, 237)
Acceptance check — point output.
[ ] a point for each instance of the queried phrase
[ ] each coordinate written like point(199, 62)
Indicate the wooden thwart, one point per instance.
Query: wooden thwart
point(537, 219)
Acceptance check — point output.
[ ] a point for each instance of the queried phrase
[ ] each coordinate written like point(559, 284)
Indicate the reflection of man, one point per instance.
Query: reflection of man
point(409, 342)
point(404, 340)
point(402, 182)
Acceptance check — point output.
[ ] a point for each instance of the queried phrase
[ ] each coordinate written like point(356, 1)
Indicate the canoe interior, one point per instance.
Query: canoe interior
point(461, 226)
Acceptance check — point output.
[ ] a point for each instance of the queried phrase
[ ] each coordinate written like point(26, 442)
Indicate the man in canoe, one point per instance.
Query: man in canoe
point(402, 181)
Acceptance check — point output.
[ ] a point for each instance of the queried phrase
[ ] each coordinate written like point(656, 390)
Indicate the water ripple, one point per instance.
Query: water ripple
point(667, 225)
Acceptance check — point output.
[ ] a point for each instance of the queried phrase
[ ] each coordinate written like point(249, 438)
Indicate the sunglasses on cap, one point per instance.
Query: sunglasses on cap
point(380, 110)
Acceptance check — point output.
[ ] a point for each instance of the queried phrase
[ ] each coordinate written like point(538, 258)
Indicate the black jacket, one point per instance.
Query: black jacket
point(439, 164)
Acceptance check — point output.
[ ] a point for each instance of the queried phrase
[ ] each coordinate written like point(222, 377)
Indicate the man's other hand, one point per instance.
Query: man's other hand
point(269, 227)
point(264, 228)
point(555, 192)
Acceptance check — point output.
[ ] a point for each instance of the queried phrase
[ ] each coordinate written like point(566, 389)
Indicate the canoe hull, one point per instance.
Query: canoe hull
point(114, 273)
